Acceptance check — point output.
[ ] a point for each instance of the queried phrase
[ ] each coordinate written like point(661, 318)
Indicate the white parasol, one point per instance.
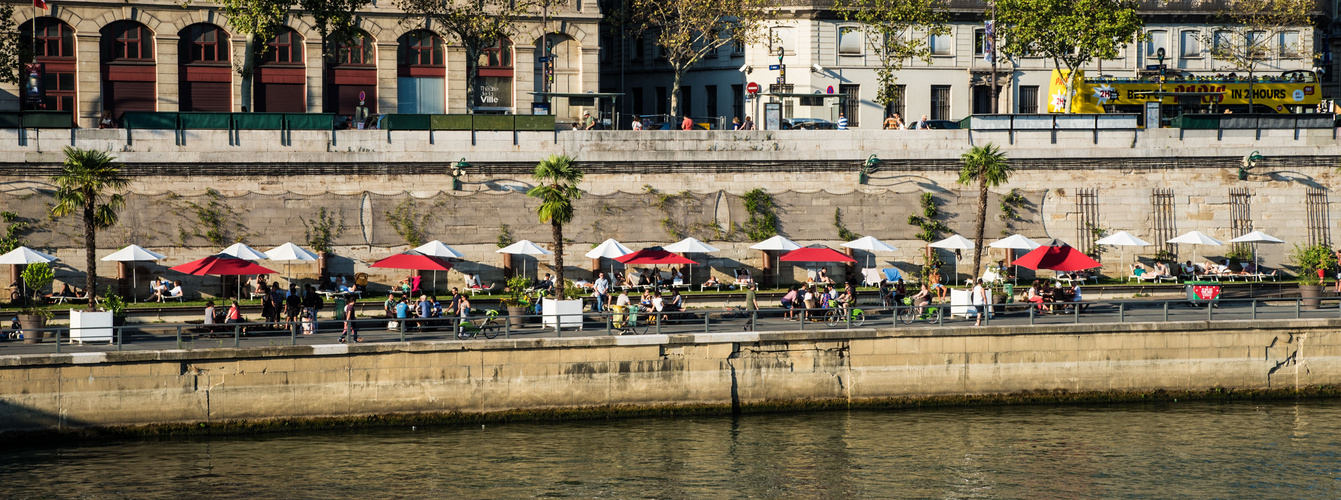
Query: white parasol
point(1015, 242)
point(438, 249)
point(134, 253)
point(1196, 238)
point(609, 249)
point(870, 244)
point(288, 251)
point(25, 256)
point(778, 243)
point(954, 242)
point(524, 247)
point(690, 245)
point(1122, 239)
point(1254, 238)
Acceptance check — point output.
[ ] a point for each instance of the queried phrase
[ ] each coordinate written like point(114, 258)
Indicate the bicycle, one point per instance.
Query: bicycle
point(835, 316)
point(908, 315)
point(487, 326)
point(625, 320)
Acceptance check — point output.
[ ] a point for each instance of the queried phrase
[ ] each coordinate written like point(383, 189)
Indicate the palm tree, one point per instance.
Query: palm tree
point(82, 188)
point(986, 164)
point(557, 189)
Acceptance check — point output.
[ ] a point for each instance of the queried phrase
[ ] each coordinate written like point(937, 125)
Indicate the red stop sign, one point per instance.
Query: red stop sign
point(752, 88)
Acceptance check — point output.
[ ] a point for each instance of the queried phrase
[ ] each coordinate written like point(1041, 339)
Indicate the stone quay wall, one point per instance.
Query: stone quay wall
point(653, 188)
point(612, 374)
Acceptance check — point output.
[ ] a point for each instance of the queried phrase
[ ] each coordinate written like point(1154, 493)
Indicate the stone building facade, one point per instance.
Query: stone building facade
point(159, 55)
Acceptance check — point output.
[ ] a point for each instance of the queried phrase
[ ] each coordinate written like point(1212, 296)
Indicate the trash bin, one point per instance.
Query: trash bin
point(340, 308)
point(1008, 289)
point(1202, 292)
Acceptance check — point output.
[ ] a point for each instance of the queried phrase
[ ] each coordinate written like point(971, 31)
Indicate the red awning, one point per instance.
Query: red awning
point(413, 260)
point(1063, 258)
point(810, 254)
point(653, 256)
point(221, 266)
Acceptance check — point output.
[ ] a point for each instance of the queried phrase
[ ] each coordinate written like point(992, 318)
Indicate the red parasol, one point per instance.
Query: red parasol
point(1056, 256)
point(811, 254)
point(220, 265)
point(414, 260)
point(653, 256)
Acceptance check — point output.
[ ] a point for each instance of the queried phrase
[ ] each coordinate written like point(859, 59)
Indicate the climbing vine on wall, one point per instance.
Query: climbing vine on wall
point(322, 231)
point(678, 208)
point(763, 221)
point(930, 230)
point(843, 232)
point(18, 227)
point(406, 220)
point(215, 221)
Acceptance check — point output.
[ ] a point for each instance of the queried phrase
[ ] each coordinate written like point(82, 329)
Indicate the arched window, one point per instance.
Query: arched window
point(128, 71)
point(205, 76)
point(357, 51)
point(127, 41)
point(493, 85)
point(204, 43)
point(421, 83)
point(353, 74)
point(285, 48)
point(420, 48)
point(281, 78)
point(54, 52)
point(497, 56)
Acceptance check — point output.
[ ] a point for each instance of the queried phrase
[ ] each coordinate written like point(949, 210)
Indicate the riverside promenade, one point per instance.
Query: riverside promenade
point(1114, 350)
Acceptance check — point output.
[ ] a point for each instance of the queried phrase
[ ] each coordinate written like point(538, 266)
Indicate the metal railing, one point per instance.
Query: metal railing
point(192, 336)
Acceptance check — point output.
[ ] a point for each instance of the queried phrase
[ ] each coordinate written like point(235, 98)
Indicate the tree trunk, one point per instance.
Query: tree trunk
point(1250, 91)
point(982, 223)
point(675, 96)
point(1070, 90)
point(90, 248)
point(558, 259)
point(248, 72)
point(472, 73)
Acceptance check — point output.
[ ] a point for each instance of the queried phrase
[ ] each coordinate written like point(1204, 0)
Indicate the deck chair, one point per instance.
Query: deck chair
point(476, 286)
point(743, 278)
point(812, 276)
point(414, 284)
point(892, 274)
point(871, 277)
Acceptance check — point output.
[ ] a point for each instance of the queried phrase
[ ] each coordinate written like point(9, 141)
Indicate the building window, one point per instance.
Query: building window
point(1223, 42)
point(738, 101)
point(608, 42)
point(940, 45)
point(788, 105)
point(1158, 40)
point(637, 100)
point(1256, 44)
point(979, 42)
point(54, 39)
point(782, 37)
point(686, 100)
point(639, 48)
point(940, 102)
point(737, 48)
point(206, 43)
point(1289, 44)
point(710, 93)
point(421, 48)
point(662, 101)
point(1191, 47)
point(849, 41)
point(497, 56)
point(1029, 99)
point(286, 47)
point(851, 103)
point(356, 52)
point(130, 41)
point(896, 103)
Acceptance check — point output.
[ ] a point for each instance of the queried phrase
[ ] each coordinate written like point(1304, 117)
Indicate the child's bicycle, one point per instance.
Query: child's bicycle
point(488, 326)
point(834, 316)
point(626, 321)
point(909, 314)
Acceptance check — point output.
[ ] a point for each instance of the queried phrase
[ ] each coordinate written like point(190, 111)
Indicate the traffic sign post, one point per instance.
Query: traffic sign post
point(752, 88)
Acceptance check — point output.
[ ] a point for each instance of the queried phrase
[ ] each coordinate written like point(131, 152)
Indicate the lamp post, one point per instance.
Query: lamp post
point(869, 167)
point(458, 170)
point(1249, 161)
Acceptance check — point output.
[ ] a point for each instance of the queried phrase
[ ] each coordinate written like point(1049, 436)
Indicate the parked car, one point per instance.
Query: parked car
point(808, 124)
point(942, 124)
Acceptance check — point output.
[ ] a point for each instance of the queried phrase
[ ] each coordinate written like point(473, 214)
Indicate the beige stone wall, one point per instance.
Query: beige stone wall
point(95, 389)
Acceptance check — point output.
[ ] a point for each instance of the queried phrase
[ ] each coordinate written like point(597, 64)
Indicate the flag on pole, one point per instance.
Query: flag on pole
point(41, 4)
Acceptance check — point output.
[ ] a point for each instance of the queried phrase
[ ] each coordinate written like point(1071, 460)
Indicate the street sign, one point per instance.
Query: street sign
point(363, 96)
point(752, 88)
point(1155, 67)
point(774, 67)
point(544, 58)
point(829, 90)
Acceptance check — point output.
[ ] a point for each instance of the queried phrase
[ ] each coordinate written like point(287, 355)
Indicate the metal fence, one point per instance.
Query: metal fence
point(485, 327)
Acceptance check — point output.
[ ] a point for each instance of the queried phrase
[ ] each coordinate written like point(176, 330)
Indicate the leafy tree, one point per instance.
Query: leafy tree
point(477, 25)
point(557, 179)
point(82, 187)
point(1247, 29)
point(886, 24)
point(689, 30)
point(12, 49)
point(986, 165)
point(1070, 32)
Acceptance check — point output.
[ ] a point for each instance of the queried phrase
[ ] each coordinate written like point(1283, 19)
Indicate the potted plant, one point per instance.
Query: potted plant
point(33, 317)
point(515, 300)
point(116, 305)
point(561, 313)
point(1313, 262)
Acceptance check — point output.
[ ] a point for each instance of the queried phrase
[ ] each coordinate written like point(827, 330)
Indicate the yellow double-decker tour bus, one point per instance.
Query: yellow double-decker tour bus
point(1289, 92)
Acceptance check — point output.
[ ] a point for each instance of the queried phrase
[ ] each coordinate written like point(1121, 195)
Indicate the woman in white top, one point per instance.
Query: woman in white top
point(979, 300)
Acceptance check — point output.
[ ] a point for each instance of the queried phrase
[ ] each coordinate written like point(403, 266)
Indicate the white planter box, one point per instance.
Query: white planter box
point(90, 326)
point(564, 313)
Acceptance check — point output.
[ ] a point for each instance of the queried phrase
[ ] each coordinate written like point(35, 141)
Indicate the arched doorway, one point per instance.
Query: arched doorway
point(280, 83)
point(354, 71)
point(205, 73)
point(54, 51)
point(561, 73)
point(128, 72)
point(421, 73)
point(493, 82)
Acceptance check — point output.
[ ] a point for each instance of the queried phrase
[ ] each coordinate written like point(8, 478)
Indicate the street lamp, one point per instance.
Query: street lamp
point(1249, 161)
point(871, 165)
point(458, 170)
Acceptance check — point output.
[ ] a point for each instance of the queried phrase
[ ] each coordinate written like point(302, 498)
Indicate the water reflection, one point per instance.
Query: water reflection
point(1122, 451)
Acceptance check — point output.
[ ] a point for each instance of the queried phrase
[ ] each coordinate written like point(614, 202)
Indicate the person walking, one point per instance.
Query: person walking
point(842, 121)
point(749, 123)
point(687, 123)
point(351, 329)
point(979, 300)
point(751, 306)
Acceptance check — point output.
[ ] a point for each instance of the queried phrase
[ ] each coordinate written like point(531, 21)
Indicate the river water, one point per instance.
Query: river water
point(1166, 450)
